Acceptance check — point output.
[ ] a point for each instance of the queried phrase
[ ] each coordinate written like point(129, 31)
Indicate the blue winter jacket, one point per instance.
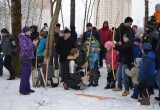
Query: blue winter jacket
point(41, 47)
point(137, 51)
point(147, 69)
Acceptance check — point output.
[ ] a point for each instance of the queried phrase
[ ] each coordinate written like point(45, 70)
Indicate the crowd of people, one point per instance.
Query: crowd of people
point(132, 59)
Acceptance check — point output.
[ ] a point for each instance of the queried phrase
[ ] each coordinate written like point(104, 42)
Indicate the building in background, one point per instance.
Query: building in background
point(109, 9)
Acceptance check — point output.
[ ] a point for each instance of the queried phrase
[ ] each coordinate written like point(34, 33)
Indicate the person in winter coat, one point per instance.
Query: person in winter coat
point(8, 48)
point(110, 79)
point(81, 58)
point(134, 73)
point(158, 69)
point(124, 28)
point(137, 51)
point(73, 33)
point(26, 56)
point(73, 77)
point(125, 59)
point(1, 59)
point(34, 34)
point(135, 30)
point(151, 36)
point(94, 33)
point(91, 49)
point(64, 46)
point(105, 35)
point(147, 76)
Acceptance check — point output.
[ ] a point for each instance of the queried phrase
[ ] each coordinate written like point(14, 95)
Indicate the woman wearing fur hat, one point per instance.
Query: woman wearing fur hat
point(26, 57)
point(110, 78)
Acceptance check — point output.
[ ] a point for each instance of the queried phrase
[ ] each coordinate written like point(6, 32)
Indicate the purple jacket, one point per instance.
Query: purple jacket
point(27, 47)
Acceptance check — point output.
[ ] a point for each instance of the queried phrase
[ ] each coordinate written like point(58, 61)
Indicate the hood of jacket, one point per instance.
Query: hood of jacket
point(150, 55)
point(105, 22)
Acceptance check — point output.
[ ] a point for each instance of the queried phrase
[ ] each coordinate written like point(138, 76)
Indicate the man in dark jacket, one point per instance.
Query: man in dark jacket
point(8, 45)
point(34, 34)
point(90, 29)
point(73, 33)
point(125, 59)
point(64, 46)
point(151, 36)
point(124, 28)
point(105, 35)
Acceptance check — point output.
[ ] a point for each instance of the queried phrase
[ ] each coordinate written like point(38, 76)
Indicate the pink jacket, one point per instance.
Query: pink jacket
point(115, 60)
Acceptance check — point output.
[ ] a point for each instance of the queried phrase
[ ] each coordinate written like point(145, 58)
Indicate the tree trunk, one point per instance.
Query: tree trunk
point(146, 11)
point(97, 12)
point(16, 29)
point(26, 23)
point(88, 10)
point(52, 6)
point(54, 20)
point(62, 17)
point(72, 15)
point(85, 13)
point(92, 11)
point(40, 16)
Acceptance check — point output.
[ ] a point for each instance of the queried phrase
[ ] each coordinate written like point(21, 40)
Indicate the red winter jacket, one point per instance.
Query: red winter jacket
point(105, 33)
point(115, 60)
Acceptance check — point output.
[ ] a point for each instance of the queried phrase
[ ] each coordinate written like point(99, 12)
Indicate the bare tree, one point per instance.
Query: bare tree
point(97, 12)
point(29, 3)
point(62, 16)
point(52, 6)
point(85, 14)
point(146, 10)
point(72, 12)
point(54, 20)
point(92, 11)
point(40, 16)
point(88, 10)
point(16, 28)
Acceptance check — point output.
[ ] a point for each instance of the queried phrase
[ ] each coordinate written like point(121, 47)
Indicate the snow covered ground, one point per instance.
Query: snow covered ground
point(59, 99)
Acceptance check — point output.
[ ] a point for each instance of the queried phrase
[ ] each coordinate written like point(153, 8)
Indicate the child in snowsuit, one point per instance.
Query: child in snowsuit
point(147, 76)
point(92, 48)
point(110, 79)
point(136, 47)
point(133, 73)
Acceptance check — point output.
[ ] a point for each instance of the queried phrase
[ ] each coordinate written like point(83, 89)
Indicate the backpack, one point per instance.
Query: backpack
point(13, 45)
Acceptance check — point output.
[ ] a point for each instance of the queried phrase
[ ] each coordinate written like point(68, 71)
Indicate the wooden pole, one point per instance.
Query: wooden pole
point(113, 48)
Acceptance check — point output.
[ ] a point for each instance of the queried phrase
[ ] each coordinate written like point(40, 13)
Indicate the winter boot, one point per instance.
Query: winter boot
point(125, 93)
point(107, 86)
point(95, 83)
point(157, 98)
point(90, 83)
point(145, 100)
point(12, 77)
point(117, 89)
point(65, 86)
point(113, 85)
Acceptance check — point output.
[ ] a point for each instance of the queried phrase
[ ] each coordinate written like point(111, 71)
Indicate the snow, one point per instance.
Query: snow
point(60, 99)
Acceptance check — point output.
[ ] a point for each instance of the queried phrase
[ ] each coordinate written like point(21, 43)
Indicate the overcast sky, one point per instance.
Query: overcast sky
point(137, 12)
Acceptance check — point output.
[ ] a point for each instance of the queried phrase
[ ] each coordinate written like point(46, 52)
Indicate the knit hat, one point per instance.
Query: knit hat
point(128, 19)
point(157, 7)
point(150, 24)
point(26, 29)
point(146, 46)
point(108, 44)
point(4, 30)
point(88, 25)
point(136, 38)
point(66, 31)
